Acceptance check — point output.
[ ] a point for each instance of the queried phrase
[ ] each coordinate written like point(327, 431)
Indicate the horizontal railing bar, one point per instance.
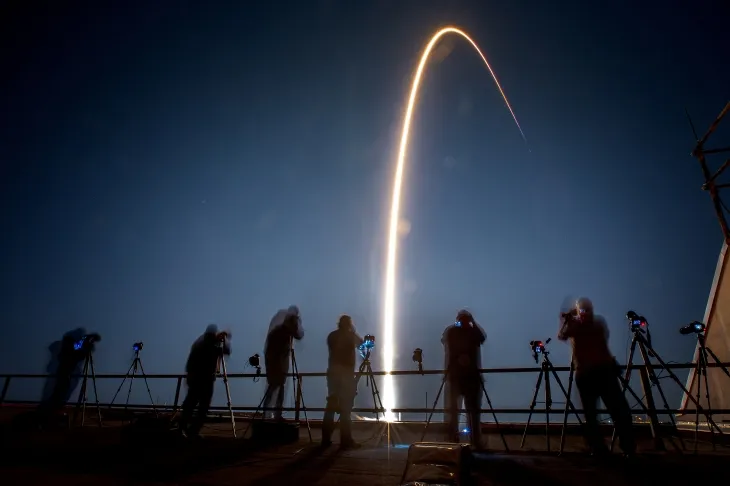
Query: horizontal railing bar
point(536, 411)
point(533, 369)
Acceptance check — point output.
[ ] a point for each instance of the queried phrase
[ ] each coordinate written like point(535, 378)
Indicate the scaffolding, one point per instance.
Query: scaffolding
point(711, 184)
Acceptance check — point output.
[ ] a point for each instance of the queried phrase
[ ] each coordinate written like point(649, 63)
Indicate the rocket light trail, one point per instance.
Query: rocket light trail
point(389, 307)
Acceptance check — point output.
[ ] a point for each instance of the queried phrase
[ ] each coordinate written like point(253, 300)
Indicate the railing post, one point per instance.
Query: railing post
point(6, 385)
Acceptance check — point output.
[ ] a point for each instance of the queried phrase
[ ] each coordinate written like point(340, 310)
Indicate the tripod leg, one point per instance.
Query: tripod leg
point(131, 381)
point(548, 407)
point(568, 403)
point(707, 394)
point(532, 406)
point(81, 402)
point(228, 394)
point(379, 403)
point(717, 361)
point(265, 399)
point(655, 380)
point(711, 422)
point(147, 385)
point(435, 403)
point(96, 393)
point(298, 377)
point(494, 415)
point(129, 371)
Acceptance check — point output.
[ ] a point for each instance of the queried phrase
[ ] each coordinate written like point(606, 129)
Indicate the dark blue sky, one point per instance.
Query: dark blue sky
point(168, 166)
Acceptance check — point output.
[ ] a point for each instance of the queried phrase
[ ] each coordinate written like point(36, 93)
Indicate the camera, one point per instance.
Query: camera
point(538, 347)
point(85, 343)
point(255, 362)
point(695, 327)
point(368, 343)
point(637, 323)
point(418, 358)
point(138, 346)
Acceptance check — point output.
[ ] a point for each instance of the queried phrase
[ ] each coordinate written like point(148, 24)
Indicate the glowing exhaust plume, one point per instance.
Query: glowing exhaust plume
point(389, 308)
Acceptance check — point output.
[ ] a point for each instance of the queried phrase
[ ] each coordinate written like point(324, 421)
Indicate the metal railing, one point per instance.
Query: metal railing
point(8, 378)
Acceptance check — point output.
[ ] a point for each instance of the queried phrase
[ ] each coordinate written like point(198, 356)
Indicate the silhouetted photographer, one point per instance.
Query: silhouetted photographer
point(201, 369)
point(285, 326)
point(462, 347)
point(75, 347)
point(596, 375)
point(342, 344)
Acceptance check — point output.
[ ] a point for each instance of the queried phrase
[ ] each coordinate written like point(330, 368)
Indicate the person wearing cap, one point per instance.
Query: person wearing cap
point(462, 342)
point(285, 326)
point(596, 375)
point(201, 370)
point(342, 344)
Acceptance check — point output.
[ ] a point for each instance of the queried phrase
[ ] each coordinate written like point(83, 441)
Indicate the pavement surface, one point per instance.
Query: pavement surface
point(93, 455)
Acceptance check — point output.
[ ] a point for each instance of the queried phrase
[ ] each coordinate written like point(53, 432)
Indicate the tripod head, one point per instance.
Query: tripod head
point(137, 347)
point(538, 348)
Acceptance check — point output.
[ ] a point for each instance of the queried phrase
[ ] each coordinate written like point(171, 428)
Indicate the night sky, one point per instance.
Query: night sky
point(168, 166)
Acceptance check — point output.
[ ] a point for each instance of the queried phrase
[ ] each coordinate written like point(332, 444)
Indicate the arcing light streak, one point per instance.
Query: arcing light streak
point(389, 308)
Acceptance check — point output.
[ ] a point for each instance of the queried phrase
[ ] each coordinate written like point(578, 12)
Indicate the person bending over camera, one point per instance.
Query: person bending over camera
point(201, 369)
point(342, 344)
point(285, 326)
point(596, 375)
point(462, 348)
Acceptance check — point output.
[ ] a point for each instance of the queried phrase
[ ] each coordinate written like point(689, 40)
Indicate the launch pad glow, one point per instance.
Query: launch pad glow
point(390, 274)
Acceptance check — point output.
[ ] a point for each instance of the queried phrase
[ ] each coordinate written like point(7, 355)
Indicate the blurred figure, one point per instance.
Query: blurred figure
point(462, 347)
point(72, 351)
point(342, 344)
point(284, 326)
point(596, 375)
point(201, 369)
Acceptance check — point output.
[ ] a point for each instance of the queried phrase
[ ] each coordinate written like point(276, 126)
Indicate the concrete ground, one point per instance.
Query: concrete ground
point(98, 456)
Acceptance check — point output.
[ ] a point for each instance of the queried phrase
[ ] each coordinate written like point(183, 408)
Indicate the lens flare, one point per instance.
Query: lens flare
point(389, 306)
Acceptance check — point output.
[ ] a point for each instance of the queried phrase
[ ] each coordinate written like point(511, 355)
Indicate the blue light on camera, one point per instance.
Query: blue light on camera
point(79, 344)
point(368, 344)
point(457, 323)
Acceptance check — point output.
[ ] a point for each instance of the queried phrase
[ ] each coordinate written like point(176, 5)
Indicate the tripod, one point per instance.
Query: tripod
point(700, 373)
point(367, 371)
point(649, 378)
point(131, 372)
point(489, 402)
point(297, 381)
point(81, 404)
point(546, 368)
point(221, 370)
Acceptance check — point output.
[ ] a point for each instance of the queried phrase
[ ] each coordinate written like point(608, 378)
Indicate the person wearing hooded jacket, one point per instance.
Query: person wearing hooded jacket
point(596, 375)
point(201, 369)
point(284, 326)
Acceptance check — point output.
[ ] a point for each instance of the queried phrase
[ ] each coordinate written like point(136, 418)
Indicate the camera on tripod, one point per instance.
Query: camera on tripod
point(418, 358)
point(255, 362)
point(695, 327)
point(138, 346)
point(538, 347)
point(637, 323)
point(86, 342)
point(368, 343)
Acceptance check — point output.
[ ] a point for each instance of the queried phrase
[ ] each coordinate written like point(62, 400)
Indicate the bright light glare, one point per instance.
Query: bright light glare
point(389, 300)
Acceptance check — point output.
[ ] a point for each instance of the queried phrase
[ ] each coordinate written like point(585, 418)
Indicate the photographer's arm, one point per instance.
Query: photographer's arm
point(482, 332)
point(567, 329)
point(299, 332)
